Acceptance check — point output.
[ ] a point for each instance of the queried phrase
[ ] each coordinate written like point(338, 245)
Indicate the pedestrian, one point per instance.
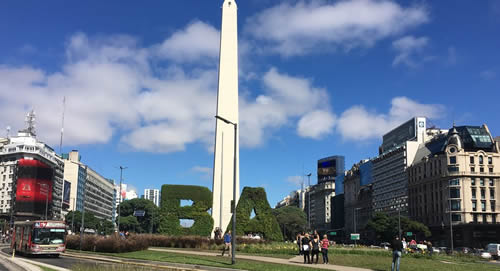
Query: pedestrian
point(299, 242)
point(405, 245)
point(397, 247)
point(227, 243)
point(324, 249)
point(306, 248)
point(316, 234)
point(315, 248)
point(429, 248)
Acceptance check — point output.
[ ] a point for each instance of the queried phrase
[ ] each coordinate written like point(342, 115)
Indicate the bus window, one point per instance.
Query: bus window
point(48, 236)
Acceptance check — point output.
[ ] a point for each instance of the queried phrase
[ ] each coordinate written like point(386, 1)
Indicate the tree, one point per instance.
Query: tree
point(151, 214)
point(90, 222)
point(386, 227)
point(105, 227)
point(291, 219)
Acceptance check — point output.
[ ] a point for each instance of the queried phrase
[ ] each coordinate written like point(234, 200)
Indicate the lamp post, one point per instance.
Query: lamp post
point(73, 217)
point(233, 232)
point(82, 229)
point(309, 200)
point(120, 196)
point(355, 218)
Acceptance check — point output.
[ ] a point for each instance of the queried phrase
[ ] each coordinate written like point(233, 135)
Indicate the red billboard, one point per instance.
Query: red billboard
point(34, 187)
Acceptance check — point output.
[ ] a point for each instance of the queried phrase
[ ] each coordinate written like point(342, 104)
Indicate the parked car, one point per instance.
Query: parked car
point(464, 250)
point(494, 250)
point(482, 253)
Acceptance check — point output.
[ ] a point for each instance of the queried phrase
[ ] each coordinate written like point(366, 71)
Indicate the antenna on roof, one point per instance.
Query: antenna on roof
point(62, 125)
point(8, 131)
point(30, 121)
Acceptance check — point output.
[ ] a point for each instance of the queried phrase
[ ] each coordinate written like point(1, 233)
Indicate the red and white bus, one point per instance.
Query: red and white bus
point(39, 237)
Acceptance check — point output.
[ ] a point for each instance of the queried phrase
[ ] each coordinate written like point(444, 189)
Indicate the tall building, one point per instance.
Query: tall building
point(390, 179)
point(88, 190)
point(318, 200)
point(31, 177)
point(330, 167)
point(358, 197)
point(455, 179)
point(153, 195)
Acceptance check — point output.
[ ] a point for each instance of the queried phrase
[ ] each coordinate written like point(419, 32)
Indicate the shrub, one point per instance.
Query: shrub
point(111, 244)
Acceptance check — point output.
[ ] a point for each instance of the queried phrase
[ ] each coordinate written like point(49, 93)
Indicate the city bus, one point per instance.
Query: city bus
point(39, 237)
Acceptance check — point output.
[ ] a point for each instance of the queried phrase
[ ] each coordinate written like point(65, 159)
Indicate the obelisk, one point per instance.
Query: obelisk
point(227, 108)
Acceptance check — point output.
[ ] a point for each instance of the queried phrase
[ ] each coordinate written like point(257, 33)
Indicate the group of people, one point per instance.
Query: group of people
point(400, 246)
point(312, 245)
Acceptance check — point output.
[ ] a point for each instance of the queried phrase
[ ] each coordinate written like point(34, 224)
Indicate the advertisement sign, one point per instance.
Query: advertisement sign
point(33, 188)
point(66, 192)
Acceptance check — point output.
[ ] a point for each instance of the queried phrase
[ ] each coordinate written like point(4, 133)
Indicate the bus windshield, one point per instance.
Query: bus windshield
point(48, 236)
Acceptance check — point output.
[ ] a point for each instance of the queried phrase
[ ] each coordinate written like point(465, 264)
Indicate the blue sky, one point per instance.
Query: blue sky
point(317, 78)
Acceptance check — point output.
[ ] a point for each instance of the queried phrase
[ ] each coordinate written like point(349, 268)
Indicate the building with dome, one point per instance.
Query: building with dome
point(453, 185)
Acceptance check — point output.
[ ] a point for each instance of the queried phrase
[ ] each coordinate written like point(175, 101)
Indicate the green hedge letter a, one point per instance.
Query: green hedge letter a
point(264, 222)
point(171, 196)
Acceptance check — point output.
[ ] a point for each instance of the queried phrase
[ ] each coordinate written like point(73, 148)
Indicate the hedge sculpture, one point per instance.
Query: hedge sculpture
point(171, 196)
point(255, 198)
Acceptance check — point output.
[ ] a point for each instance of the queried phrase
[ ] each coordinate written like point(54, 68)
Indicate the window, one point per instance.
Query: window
point(472, 169)
point(473, 190)
point(472, 159)
point(454, 193)
point(474, 205)
point(492, 193)
point(453, 159)
point(480, 159)
point(492, 206)
point(481, 182)
point(492, 182)
point(475, 218)
point(493, 218)
point(455, 182)
point(485, 218)
point(490, 161)
point(481, 169)
point(473, 181)
point(455, 205)
point(490, 170)
point(456, 217)
point(452, 169)
point(483, 194)
point(483, 206)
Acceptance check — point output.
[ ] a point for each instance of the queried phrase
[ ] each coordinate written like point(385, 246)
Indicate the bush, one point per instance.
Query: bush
point(111, 244)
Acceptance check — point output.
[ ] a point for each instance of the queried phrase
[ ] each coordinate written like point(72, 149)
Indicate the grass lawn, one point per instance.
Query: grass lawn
point(279, 256)
point(45, 268)
point(206, 261)
point(409, 263)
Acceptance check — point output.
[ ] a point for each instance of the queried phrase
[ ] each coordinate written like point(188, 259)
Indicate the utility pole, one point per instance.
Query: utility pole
point(120, 196)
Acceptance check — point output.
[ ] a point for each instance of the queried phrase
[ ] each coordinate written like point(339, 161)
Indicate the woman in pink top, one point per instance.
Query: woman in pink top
point(324, 248)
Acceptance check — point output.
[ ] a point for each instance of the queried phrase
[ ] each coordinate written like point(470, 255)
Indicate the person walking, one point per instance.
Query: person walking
point(227, 243)
point(405, 245)
point(324, 248)
point(429, 248)
point(306, 248)
point(397, 247)
point(299, 242)
point(315, 248)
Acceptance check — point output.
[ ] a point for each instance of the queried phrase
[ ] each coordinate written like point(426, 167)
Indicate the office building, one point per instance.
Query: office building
point(88, 189)
point(458, 171)
point(330, 167)
point(31, 177)
point(390, 179)
point(318, 200)
point(152, 195)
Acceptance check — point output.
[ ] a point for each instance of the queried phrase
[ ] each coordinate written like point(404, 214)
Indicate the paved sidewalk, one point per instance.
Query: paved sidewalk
point(297, 261)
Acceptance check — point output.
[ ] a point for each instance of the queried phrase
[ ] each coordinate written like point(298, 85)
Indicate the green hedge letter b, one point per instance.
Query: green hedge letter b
point(171, 196)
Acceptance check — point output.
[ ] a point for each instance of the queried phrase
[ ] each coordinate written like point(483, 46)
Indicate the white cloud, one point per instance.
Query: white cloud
point(303, 27)
point(488, 74)
point(357, 123)
point(199, 40)
point(316, 124)
point(295, 180)
point(205, 172)
point(285, 98)
point(409, 49)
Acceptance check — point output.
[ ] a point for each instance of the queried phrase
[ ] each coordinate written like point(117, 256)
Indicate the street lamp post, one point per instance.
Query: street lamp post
point(309, 200)
point(355, 218)
point(82, 229)
point(73, 217)
point(120, 196)
point(233, 232)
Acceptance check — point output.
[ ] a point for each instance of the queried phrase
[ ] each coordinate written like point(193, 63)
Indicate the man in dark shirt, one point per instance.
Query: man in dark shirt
point(227, 243)
point(397, 247)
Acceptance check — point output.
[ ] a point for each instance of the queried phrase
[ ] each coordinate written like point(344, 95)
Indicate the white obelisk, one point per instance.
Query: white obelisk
point(227, 108)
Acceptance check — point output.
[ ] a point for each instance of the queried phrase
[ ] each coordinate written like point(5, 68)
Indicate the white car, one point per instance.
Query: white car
point(485, 255)
point(494, 250)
